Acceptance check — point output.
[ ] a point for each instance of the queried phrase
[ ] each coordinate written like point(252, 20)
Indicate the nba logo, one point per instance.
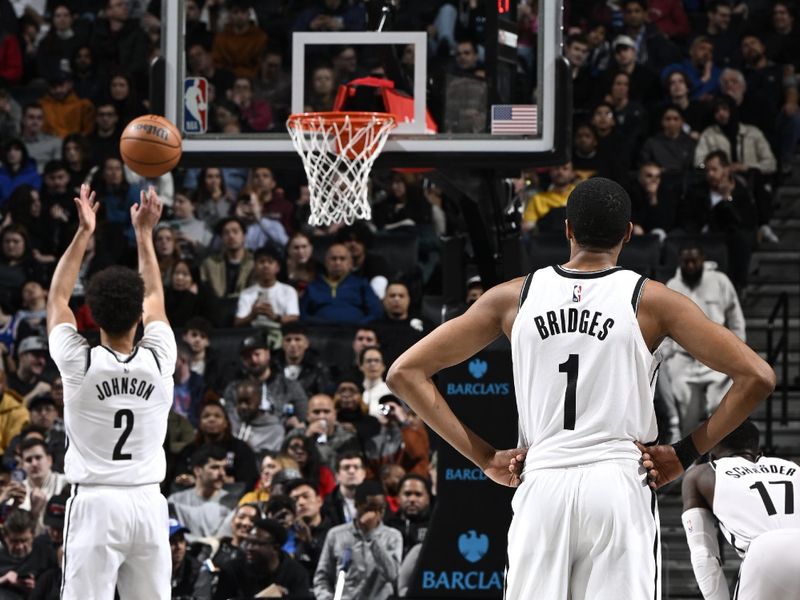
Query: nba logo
point(576, 293)
point(195, 105)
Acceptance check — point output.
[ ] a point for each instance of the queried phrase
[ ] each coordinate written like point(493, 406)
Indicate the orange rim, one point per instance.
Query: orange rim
point(308, 121)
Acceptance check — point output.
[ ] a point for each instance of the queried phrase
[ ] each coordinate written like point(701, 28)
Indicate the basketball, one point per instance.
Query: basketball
point(150, 145)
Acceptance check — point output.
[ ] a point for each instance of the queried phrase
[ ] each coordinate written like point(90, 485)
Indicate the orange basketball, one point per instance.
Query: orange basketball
point(150, 145)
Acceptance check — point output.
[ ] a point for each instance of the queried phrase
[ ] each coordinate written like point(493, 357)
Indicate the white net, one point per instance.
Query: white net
point(338, 151)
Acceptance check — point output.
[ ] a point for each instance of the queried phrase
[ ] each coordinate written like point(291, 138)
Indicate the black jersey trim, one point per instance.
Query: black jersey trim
point(736, 588)
point(88, 359)
point(114, 354)
point(637, 294)
point(655, 373)
point(526, 286)
point(713, 465)
point(656, 542)
point(155, 358)
point(66, 537)
point(585, 274)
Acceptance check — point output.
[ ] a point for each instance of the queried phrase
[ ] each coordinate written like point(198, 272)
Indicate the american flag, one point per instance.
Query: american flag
point(514, 118)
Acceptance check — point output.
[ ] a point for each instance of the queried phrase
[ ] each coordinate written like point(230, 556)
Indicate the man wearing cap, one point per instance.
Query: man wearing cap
point(265, 570)
point(367, 551)
point(299, 362)
point(28, 380)
point(644, 85)
point(653, 47)
point(703, 74)
point(284, 401)
point(228, 272)
point(64, 111)
point(41, 483)
point(189, 580)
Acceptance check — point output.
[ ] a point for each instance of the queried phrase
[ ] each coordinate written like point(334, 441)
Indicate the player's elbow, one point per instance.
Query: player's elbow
point(763, 380)
point(399, 376)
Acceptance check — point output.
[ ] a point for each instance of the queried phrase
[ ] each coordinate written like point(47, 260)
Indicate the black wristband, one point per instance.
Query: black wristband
point(687, 452)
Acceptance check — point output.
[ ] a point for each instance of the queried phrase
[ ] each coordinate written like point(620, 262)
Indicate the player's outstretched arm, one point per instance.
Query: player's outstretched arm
point(664, 312)
point(66, 273)
point(447, 345)
point(145, 216)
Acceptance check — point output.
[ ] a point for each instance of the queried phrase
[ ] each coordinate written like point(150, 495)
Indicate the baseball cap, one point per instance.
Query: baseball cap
point(623, 40)
point(55, 511)
point(253, 342)
point(41, 400)
point(58, 76)
point(32, 343)
point(176, 526)
point(474, 281)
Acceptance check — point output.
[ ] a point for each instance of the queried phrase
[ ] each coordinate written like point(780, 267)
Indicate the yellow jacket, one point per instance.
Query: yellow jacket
point(13, 417)
point(543, 202)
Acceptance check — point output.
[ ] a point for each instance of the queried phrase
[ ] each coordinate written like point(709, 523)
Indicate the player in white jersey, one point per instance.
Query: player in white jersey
point(753, 498)
point(582, 338)
point(117, 397)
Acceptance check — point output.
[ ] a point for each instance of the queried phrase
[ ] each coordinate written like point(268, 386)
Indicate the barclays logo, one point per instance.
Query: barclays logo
point(478, 368)
point(473, 546)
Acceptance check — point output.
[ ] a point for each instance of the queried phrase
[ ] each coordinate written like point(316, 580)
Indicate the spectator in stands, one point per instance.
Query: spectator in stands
point(200, 63)
point(722, 32)
point(298, 362)
point(13, 414)
point(390, 475)
point(576, 50)
point(260, 428)
point(239, 46)
point(274, 204)
point(41, 482)
point(283, 399)
point(193, 234)
point(273, 84)
point(643, 81)
point(231, 547)
point(467, 60)
point(104, 140)
point(397, 327)
point(115, 196)
point(671, 148)
point(331, 15)
point(86, 83)
point(24, 208)
point(256, 113)
point(779, 91)
point(311, 525)
point(405, 206)
point(265, 570)
point(722, 205)
point(339, 296)
point(669, 17)
point(364, 336)
point(744, 145)
point(119, 41)
point(696, 390)
point(629, 115)
point(340, 505)
point(323, 89)
point(261, 231)
point(586, 160)
point(212, 199)
point(184, 297)
point(49, 545)
point(781, 42)
point(612, 146)
point(301, 267)
point(10, 115)
point(64, 111)
point(41, 146)
point(167, 252)
point(271, 463)
point(77, 157)
point(11, 68)
point(21, 561)
point(332, 438)
point(44, 415)
point(654, 205)
point(652, 46)
point(695, 113)
point(750, 103)
point(550, 203)
point(215, 430)
point(474, 289)
point(188, 388)
point(402, 440)
point(205, 360)
point(201, 507)
point(345, 64)
point(373, 370)
point(413, 516)
point(59, 43)
point(230, 271)
point(352, 412)
point(303, 449)
point(366, 546)
point(18, 169)
point(269, 303)
point(17, 265)
point(28, 379)
point(186, 569)
point(699, 68)
point(369, 265)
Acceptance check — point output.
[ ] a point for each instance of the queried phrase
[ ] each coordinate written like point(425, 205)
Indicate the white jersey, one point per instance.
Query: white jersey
point(583, 375)
point(115, 406)
point(753, 497)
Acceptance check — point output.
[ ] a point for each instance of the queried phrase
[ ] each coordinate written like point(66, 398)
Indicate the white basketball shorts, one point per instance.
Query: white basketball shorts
point(584, 533)
point(116, 537)
point(771, 568)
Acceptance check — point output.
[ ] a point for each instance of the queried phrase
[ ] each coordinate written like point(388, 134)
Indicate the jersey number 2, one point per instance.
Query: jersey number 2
point(788, 505)
point(118, 416)
point(570, 367)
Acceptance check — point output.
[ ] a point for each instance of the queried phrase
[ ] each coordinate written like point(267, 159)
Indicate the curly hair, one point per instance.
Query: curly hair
point(115, 296)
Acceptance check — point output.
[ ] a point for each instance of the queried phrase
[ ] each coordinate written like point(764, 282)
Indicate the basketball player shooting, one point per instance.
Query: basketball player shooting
point(117, 398)
point(583, 337)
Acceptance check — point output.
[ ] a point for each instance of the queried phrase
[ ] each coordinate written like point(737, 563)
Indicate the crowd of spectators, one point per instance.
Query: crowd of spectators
point(289, 459)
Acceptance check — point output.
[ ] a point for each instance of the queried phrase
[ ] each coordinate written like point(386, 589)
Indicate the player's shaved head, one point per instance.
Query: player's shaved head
point(599, 211)
point(115, 296)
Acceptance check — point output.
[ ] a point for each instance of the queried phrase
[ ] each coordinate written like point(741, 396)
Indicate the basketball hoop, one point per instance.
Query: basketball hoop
point(338, 150)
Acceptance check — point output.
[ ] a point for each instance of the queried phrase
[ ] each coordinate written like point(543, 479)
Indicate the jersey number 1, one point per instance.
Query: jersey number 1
point(570, 367)
point(127, 414)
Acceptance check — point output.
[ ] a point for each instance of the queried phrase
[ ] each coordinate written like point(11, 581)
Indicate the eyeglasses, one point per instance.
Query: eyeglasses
point(296, 447)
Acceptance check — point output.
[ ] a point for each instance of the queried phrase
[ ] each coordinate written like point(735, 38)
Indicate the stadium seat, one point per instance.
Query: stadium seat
point(547, 249)
point(641, 254)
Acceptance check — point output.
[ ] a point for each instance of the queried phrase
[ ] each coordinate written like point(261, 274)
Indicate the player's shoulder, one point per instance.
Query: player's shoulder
point(698, 486)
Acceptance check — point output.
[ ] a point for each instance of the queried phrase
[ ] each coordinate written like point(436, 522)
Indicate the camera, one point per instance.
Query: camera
point(386, 409)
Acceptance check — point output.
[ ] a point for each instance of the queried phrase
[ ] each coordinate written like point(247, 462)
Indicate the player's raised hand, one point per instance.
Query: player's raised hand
point(661, 463)
point(87, 209)
point(505, 467)
point(146, 214)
